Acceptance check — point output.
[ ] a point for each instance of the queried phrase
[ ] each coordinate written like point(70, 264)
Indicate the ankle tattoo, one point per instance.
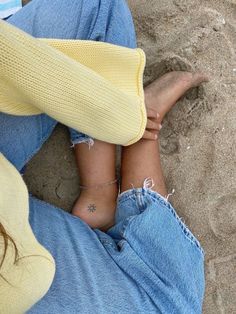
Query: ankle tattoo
point(92, 208)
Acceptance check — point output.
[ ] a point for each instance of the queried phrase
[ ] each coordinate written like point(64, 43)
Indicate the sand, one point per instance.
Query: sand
point(198, 139)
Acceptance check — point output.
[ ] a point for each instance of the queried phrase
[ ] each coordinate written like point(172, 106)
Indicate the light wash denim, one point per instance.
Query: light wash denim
point(7, 8)
point(149, 262)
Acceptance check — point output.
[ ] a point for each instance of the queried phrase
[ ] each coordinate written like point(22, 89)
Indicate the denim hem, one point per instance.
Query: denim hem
point(132, 192)
point(78, 138)
point(163, 201)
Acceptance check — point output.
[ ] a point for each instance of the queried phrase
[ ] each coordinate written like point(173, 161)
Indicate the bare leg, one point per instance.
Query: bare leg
point(96, 166)
point(139, 161)
point(96, 206)
point(142, 160)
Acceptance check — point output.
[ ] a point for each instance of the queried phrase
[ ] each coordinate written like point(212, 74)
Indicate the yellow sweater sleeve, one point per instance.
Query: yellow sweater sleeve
point(93, 87)
point(24, 282)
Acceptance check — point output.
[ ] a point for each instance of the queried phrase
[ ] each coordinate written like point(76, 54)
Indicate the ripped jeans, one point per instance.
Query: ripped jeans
point(149, 261)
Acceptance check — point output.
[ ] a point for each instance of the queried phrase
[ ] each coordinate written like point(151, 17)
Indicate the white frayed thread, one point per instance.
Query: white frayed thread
point(170, 194)
point(148, 183)
point(88, 141)
point(132, 186)
point(182, 219)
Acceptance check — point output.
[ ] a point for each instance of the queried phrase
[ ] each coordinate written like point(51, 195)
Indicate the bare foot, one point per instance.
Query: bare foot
point(164, 92)
point(97, 207)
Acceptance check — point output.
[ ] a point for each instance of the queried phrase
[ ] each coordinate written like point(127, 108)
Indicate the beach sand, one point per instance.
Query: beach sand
point(198, 139)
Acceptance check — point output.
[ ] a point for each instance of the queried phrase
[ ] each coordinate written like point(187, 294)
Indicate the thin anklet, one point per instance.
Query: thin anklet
point(84, 187)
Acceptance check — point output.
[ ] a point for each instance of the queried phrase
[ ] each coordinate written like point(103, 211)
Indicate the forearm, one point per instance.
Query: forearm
point(38, 78)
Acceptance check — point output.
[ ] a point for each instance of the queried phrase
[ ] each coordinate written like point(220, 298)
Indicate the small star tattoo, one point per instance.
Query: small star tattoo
point(91, 208)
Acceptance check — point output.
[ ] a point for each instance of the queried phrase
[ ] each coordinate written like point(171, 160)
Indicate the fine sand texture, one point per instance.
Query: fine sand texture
point(198, 139)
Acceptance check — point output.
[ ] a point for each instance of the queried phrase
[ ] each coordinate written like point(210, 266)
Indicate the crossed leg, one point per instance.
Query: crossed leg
point(139, 161)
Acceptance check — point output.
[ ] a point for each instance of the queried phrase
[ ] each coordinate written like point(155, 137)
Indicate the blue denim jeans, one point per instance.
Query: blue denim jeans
point(149, 261)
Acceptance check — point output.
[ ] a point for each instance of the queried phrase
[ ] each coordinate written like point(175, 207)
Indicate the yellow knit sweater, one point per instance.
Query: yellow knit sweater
point(22, 283)
point(93, 87)
point(96, 88)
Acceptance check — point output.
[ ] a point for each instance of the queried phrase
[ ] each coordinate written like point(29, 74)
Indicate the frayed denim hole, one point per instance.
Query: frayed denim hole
point(80, 140)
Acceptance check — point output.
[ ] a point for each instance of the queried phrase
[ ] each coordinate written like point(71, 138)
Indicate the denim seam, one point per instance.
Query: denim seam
point(110, 245)
point(125, 225)
point(151, 295)
point(122, 233)
point(188, 234)
point(106, 242)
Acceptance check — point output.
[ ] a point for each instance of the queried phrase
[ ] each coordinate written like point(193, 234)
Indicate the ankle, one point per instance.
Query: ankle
point(97, 207)
point(104, 194)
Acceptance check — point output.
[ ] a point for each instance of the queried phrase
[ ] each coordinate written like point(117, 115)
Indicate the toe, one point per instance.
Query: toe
point(199, 78)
